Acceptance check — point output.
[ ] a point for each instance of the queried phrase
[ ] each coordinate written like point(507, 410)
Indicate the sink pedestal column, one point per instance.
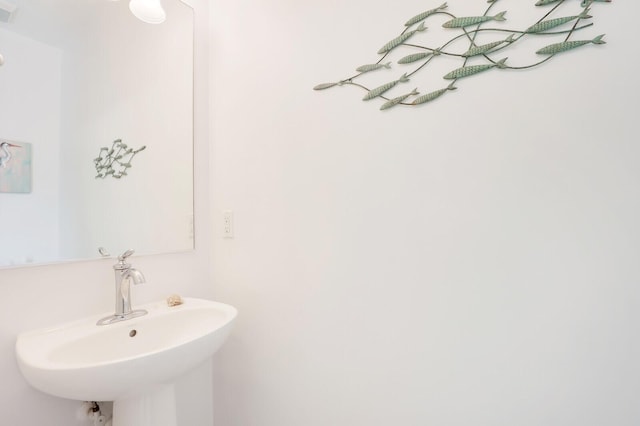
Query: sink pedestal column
point(156, 407)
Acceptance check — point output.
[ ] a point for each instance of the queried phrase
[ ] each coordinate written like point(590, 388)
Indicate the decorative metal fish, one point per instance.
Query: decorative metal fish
point(587, 2)
point(545, 2)
point(395, 101)
point(417, 56)
point(425, 15)
point(433, 95)
point(481, 50)
point(374, 93)
point(473, 20)
point(552, 49)
point(324, 86)
point(372, 67)
point(583, 3)
point(552, 23)
point(401, 39)
point(473, 69)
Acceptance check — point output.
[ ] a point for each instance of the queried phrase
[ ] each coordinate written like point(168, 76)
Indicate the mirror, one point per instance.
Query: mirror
point(79, 79)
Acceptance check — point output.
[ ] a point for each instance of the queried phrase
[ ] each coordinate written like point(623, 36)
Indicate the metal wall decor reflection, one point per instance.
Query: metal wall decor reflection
point(475, 57)
point(115, 161)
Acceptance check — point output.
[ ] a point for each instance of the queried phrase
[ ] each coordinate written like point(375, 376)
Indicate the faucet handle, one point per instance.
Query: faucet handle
point(126, 254)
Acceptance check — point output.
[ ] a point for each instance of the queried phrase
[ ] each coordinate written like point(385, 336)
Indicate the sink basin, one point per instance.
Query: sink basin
point(126, 360)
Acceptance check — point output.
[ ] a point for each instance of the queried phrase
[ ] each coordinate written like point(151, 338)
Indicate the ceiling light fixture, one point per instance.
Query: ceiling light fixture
point(149, 11)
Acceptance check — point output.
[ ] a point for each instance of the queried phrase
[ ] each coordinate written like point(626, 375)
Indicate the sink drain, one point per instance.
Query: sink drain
point(132, 333)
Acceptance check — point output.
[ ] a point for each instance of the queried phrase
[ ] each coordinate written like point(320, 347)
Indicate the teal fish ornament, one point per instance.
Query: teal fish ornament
point(372, 67)
point(552, 23)
point(587, 2)
point(583, 3)
point(324, 86)
point(416, 57)
point(552, 49)
point(473, 20)
point(395, 101)
point(400, 39)
point(374, 93)
point(424, 15)
point(433, 95)
point(481, 50)
point(473, 69)
point(478, 55)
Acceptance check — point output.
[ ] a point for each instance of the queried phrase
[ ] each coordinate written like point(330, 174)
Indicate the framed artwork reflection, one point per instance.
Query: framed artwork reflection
point(15, 166)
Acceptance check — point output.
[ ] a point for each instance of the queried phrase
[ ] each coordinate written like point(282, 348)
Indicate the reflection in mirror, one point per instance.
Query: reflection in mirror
point(77, 76)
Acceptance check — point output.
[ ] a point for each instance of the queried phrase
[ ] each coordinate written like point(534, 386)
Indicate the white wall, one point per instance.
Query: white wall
point(472, 261)
point(45, 295)
point(30, 112)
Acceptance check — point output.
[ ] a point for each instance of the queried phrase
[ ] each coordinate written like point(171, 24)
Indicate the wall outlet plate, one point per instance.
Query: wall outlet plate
point(227, 224)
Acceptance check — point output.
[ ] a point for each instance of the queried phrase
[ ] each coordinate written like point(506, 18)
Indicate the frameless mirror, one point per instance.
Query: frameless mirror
point(96, 130)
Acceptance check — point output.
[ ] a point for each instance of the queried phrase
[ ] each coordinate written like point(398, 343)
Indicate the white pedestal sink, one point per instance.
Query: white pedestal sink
point(133, 363)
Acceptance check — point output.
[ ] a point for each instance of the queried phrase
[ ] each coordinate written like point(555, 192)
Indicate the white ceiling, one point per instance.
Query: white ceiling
point(51, 21)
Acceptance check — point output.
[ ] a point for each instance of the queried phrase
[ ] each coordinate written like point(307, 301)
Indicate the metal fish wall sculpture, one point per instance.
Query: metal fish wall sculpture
point(412, 46)
point(115, 161)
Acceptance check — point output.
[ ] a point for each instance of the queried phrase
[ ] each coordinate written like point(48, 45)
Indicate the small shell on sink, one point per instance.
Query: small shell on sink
point(174, 300)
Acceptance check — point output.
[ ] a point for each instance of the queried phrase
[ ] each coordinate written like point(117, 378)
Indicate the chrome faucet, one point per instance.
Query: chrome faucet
point(124, 275)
